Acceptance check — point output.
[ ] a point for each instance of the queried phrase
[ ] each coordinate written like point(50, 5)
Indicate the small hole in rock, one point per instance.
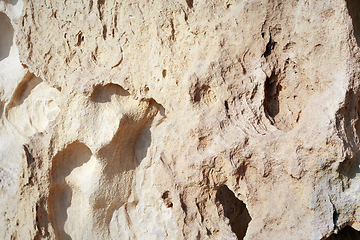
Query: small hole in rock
point(269, 48)
point(189, 3)
point(234, 209)
point(164, 73)
point(226, 106)
point(167, 199)
point(104, 32)
point(165, 195)
point(80, 38)
point(271, 103)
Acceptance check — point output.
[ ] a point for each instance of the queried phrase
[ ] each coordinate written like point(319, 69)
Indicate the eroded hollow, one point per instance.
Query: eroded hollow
point(190, 3)
point(286, 95)
point(6, 36)
point(24, 89)
point(167, 200)
point(347, 233)
point(271, 103)
point(234, 209)
point(354, 11)
point(60, 196)
point(103, 94)
point(121, 156)
point(346, 117)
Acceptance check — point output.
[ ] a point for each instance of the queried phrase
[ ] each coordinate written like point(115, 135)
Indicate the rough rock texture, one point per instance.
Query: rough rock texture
point(181, 119)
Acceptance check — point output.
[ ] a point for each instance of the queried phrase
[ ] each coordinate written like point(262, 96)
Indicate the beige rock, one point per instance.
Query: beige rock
point(179, 119)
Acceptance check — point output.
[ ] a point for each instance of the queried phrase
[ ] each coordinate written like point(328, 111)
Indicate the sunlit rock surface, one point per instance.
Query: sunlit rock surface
point(181, 119)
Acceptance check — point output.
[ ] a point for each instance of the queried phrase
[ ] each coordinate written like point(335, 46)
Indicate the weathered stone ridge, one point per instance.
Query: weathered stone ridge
point(181, 119)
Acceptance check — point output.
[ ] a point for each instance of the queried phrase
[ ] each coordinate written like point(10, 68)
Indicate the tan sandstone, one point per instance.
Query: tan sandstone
point(180, 119)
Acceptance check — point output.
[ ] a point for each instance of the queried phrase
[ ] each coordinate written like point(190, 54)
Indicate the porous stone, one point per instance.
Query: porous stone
point(180, 119)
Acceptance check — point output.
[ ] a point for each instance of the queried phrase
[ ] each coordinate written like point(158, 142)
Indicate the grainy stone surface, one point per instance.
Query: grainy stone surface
point(181, 119)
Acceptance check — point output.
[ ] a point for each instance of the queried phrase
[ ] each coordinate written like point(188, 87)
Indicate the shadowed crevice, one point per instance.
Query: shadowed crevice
point(354, 11)
point(234, 209)
point(271, 102)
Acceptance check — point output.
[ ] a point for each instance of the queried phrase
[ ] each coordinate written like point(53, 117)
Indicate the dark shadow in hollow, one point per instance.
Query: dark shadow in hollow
point(349, 168)
point(24, 89)
point(120, 152)
point(354, 11)
point(235, 210)
point(12, 2)
point(6, 36)
point(142, 144)
point(102, 94)
point(271, 102)
point(347, 233)
point(60, 195)
point(190, 3)
point(59, 201)
point(124, 153)
point(131, 140)
point(42, 219)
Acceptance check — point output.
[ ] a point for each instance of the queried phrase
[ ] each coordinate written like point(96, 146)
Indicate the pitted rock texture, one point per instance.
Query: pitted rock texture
point(181, 119)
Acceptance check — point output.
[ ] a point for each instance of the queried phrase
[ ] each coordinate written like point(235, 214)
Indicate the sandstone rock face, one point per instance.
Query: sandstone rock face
point(181, 119)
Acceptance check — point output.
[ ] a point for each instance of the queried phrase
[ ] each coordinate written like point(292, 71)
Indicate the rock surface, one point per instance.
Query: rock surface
point(179, 119)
